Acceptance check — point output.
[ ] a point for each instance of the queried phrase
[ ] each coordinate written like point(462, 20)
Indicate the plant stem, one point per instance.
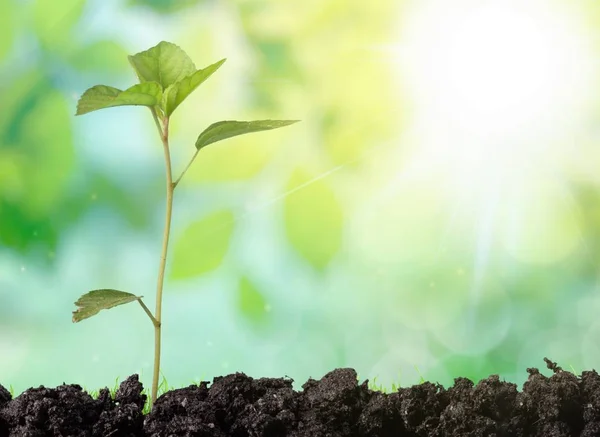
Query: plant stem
point(164, 131)
point(154, 322)
point(186, 168)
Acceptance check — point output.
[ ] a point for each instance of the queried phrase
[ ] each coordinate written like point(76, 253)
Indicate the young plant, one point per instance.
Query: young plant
point(167, 76)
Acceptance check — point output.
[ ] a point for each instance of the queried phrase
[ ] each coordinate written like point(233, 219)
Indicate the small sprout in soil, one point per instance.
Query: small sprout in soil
point(167, 77)
point(162, 388)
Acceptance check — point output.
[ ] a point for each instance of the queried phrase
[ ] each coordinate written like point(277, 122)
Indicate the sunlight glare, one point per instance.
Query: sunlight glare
point(494, 84)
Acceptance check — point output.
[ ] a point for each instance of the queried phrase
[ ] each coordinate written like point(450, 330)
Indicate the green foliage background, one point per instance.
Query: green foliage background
point(291, 254)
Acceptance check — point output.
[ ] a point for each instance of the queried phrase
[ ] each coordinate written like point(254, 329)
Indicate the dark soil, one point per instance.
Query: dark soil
point(335, 406)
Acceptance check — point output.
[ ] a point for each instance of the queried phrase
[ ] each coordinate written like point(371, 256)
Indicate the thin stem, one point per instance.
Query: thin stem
point(163, 258)
point(186, 168)
point(154, 322)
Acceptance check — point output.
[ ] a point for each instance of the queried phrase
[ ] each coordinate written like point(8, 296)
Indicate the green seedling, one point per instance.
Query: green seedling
point(167, 77)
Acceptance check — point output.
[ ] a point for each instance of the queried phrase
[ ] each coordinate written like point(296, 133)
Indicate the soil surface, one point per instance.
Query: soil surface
point(336, 406)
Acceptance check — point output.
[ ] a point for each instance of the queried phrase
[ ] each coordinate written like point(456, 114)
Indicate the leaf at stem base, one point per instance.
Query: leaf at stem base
point(92, 302)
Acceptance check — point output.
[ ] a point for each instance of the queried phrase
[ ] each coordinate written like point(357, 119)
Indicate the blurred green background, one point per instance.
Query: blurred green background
point(436, 213)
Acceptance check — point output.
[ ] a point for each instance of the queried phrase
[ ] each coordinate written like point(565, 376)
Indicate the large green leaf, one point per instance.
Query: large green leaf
point(178, 91)
point(203, 245)
point(227, 129)
point(94, 301)
point(313, 219)
point(165, 63)
point(103, 96)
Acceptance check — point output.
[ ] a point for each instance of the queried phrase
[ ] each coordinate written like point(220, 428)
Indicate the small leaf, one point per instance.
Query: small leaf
point(251, 303)
point(103, 96)
point(92, 302)
point(165, 63)
point(178, 92)
point(203, 245)
point(227, 129)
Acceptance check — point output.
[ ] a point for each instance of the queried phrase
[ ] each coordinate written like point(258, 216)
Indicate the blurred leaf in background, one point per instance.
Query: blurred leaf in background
point(100, 57)
point(7, 27)
point(44, 189)
point(292, 43)
point(251, 303)
point(53, 22)
point(37, 148)
point(313, 219)
point(166, 6)
point(237, 160)
point(99, 190)
point(203, 245)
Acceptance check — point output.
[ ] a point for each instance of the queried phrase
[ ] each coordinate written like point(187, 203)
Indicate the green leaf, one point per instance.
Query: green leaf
point(177, 92)
point(165, 63)
point(203, 245)
point(103, 96)
point(92, 302)
point(313, 219)
point(227, 129)
point(251, 303)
